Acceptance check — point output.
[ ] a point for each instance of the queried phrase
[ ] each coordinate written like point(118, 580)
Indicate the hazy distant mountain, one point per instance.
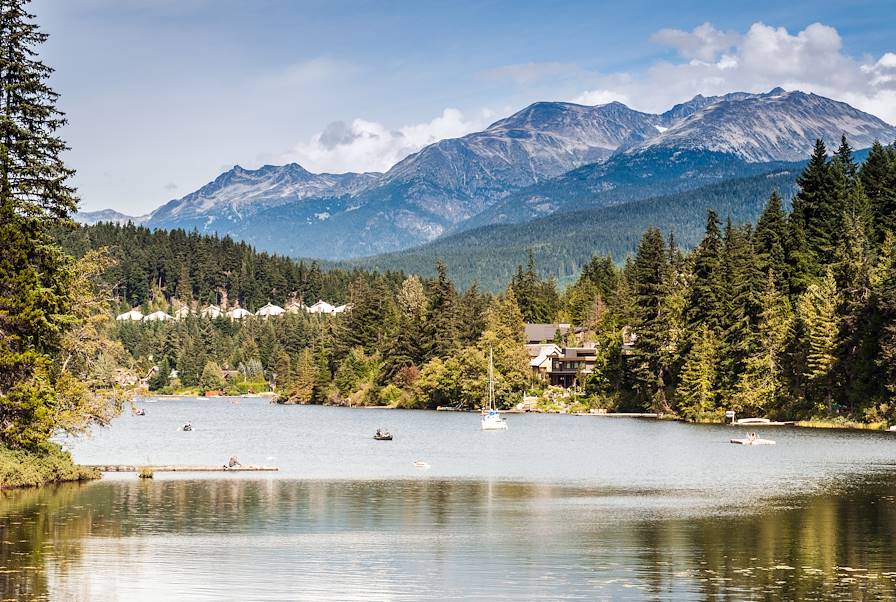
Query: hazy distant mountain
point(549, 157)
point(240, 193)
point(106, 215)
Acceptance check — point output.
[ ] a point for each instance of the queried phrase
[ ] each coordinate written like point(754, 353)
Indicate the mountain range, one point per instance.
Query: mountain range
point(549, 158)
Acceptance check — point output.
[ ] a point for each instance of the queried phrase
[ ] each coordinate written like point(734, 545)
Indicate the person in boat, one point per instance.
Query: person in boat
point(188, 426)
point(141, 412)
point(752, 437)
point(233, 462)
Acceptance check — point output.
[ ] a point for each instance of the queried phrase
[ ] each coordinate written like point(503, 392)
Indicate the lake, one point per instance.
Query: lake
point(556, 507)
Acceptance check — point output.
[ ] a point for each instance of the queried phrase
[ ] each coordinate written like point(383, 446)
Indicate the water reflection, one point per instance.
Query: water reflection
point(270, 539)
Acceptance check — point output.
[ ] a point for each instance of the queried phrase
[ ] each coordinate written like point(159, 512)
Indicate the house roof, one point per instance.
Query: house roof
point(270, 310)
point(543, 333)
point(134, 314)
point(157, 316)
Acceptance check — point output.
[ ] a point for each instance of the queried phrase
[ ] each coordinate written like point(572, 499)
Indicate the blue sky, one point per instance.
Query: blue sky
point(163, 95)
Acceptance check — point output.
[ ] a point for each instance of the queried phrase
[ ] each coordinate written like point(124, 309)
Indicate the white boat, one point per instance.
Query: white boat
point(892, 429)
point(491, 418)
point(752, 439)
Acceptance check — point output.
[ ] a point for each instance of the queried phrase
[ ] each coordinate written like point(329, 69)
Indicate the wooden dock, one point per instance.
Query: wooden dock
point(179, 468)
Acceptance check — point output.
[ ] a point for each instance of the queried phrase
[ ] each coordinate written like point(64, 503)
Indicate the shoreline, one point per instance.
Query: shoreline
point(819, 423)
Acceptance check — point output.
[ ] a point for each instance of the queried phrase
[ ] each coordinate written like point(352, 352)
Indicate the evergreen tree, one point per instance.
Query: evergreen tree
point(762, 384)
point(649, 286)
point(878, 178)
point(696, 392)
point(815, 206)
point(705, 304)
point(212, 377)
point(770, 240)
point(818, 318)
point(442, 332)
point(35, 196)
point(886, 304)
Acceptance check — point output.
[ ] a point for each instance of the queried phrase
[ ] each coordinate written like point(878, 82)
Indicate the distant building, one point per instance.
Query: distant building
point(270, 310)
point(157, 316)
point(294, 307)
point(342, 308)
point(134, 315)
point(182, 312)
point(211, 311)
point(238, 313)
point(545, 333)
point(321, 307)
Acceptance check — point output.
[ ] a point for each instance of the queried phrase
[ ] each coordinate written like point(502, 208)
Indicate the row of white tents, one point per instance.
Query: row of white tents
point(237, 313)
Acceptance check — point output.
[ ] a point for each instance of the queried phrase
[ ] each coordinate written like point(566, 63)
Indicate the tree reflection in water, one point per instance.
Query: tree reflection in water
point(427, 539)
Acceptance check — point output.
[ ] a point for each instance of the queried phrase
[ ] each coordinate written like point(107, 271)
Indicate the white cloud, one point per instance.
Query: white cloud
point(715, 62)
point(370, 146)
point(600, 97)
point(703, 43)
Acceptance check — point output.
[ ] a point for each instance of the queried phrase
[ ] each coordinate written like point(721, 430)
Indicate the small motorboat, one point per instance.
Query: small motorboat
point(140, 412)
point(892, 429)
point(752, 439)
point(421, 464)
point(381, 435)
point(187, 427)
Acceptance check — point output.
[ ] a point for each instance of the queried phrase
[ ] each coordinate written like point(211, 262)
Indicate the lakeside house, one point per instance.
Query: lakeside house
point(134, 315)
point(561, 366)
point(238, 313)
point(157, 316)
point(182, 312)
point(270, 310)
point(540, 358)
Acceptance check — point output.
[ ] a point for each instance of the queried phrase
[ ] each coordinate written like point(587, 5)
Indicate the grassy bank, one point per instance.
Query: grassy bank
point(33, 469)
point(842, 423)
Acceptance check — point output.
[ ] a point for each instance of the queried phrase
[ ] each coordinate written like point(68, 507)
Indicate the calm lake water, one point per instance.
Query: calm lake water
point(557, 507)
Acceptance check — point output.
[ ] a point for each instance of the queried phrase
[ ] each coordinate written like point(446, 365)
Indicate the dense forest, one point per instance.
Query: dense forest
point(792, 317)
point(160, 266)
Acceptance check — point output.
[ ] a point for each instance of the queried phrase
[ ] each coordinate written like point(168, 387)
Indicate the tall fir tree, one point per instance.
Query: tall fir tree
point(819, 321)
point(35, 196)
point(878, 177)
point(649, 275)
point(705, 305)
point(696, 392)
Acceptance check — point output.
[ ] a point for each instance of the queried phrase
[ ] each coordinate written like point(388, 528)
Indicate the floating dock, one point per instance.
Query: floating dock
point(179, 468)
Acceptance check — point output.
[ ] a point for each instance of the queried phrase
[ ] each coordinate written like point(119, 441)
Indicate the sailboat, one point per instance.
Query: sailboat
point(491, 418)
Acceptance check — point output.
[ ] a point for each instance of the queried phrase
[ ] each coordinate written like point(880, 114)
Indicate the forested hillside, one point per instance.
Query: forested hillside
point(564, 242)
point(160, 266)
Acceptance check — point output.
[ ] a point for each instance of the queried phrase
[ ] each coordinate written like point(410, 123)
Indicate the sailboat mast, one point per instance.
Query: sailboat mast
point(491, 379)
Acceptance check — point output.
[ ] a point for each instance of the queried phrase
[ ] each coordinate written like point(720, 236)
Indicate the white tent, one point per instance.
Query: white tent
point(211, 311)
point(321, 307)
point(238, 313)
point(134, 314)
point(270, 310)
point(156, 316)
